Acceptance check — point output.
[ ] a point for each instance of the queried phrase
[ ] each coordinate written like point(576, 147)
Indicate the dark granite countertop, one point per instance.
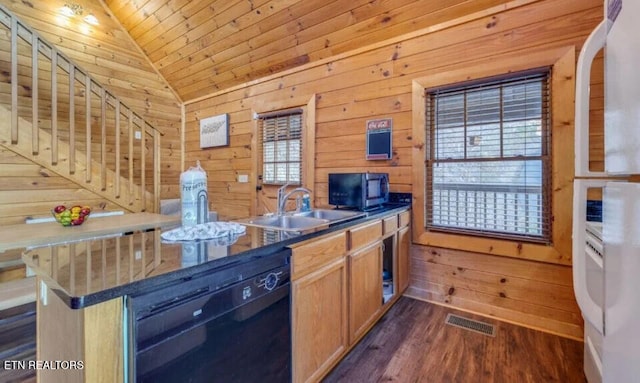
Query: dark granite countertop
point(92, 271)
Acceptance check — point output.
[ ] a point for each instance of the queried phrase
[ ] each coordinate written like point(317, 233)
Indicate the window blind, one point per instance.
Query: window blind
point(488, 165)
point(281, 146)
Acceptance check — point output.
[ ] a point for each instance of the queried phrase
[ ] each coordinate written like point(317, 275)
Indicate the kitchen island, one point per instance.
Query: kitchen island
point(83, 285)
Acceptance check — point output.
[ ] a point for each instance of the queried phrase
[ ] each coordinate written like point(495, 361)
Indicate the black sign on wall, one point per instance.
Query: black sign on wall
point(379, 139)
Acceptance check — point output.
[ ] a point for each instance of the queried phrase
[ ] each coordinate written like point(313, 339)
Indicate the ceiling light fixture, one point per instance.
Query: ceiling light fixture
point(91, 19)
point(71, 9)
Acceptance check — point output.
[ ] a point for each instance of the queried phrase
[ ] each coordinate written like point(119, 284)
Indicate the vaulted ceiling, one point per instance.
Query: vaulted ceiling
point(202, 46)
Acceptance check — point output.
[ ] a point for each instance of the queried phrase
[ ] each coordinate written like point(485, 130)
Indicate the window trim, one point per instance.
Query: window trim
point(308, 105)
point(543, 73)
point(562, 63)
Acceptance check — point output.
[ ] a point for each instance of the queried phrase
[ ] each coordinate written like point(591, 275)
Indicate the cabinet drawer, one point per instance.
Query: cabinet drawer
point(312, 255)
point(405, 218)
point(363, 235)
point(390, 224)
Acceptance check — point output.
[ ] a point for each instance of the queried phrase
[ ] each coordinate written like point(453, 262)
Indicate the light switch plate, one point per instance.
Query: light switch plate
point(243, 178)
point(138, 135)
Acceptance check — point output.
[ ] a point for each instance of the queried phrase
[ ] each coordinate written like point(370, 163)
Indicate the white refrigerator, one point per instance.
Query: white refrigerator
point(606, 257)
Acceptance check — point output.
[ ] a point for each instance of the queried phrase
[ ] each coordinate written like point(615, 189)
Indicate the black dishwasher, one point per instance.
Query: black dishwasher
point(230, 325)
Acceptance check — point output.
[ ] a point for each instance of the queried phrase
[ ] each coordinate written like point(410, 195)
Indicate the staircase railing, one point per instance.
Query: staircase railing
point(91, 135)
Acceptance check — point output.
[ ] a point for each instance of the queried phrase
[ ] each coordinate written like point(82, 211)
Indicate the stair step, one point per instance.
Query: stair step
point(20, 375)
point(18, 332)
point(17, 293)
point(27, 309)
point(19, 349)
point(17, 336)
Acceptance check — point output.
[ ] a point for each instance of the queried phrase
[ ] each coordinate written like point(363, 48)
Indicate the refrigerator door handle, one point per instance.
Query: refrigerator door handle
point(591, 47)
point(591, 311)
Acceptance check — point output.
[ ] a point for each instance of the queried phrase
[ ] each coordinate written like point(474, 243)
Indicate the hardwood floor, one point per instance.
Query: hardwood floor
point(411, 343)
point(18, 342)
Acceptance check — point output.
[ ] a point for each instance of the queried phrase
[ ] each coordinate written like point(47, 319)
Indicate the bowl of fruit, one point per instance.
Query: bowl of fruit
point(71, 216)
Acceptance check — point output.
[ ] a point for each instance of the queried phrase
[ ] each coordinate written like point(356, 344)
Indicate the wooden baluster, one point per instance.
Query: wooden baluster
point(87, 90)
point(143, 160)
point(72, 119)
point(117, 124)
point(14, 80)
point(156, 171)
point(131, 196)
point(54, 107)
point(143, 245)
point(35, 131)
point(54, 262)
point(132, 258)
point(157, 244)
point(44, 259)
point(118, 244)
point(103, 139)
point(72, 267)
point(103, 258)
point(89, 268)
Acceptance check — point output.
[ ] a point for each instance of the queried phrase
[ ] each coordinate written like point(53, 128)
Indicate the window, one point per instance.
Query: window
point(487, 167)
point(281, 145)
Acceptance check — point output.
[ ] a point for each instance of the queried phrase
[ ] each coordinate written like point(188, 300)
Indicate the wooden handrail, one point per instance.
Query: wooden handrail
point(107, 181)
point(14, 80)
point(34, 95)
point(72, 121)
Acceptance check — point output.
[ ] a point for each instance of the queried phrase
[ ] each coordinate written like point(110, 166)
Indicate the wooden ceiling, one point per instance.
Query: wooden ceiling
point(203, 46)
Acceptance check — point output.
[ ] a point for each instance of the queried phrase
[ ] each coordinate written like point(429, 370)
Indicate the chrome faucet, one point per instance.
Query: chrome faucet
point(282, 197)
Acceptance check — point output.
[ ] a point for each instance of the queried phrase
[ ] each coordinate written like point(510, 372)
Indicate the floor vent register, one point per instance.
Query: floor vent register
point(470, 324)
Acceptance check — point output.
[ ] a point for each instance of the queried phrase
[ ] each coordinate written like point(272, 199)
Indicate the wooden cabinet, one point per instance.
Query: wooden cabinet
point(363, 235)
point(365, 289)
point(404, 243)
point(337, 290)
point(92, 335)
point(314, 254)
point(319, 309)
point(390, 224)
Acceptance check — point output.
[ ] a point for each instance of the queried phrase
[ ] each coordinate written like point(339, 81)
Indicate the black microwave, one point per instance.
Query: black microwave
point(361, 191)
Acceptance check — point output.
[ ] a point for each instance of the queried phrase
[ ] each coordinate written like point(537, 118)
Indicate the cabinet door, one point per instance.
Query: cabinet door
point(404, 243)
point(365, 289)
point(319, 321)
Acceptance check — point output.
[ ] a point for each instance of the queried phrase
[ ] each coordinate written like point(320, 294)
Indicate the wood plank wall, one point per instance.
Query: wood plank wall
point(375, 82)
point(27, 188)
point(108, 53)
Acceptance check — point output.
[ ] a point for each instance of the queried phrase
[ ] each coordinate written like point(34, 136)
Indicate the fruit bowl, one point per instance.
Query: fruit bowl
point(71, 216)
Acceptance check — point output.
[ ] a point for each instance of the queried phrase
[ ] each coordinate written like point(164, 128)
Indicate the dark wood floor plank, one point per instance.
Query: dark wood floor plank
point(413, 344)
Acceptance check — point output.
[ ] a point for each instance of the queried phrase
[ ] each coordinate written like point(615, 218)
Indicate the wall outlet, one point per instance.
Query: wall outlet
point(244, 178)
point(138, 254)
point(138, 135)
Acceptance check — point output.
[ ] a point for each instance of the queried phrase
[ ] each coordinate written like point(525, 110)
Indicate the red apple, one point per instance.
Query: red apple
point(59, 208)
point(77, 221)
point(85, 211)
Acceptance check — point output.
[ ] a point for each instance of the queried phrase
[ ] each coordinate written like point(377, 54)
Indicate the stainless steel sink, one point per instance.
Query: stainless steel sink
point(332, 215)
point(301, 221)
point(286, 222)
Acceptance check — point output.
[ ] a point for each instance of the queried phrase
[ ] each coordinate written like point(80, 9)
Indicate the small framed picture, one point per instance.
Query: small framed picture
point(214, 131)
